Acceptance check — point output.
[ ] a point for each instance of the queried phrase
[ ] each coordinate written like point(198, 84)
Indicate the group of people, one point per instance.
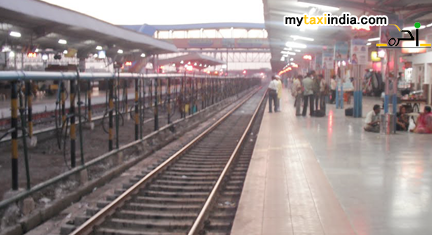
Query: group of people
point(422, 126)
point(312, 90)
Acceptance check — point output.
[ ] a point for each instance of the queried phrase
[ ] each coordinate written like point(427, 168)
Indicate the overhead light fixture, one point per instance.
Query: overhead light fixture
point(62, 41)
point(296, 37)
point(282, 58)
point(373, 39)
point(292, 59)
point(95, 55)
point(99, 48)
point(11, 54)
point(65, 52)
point(412, 28)
point(36, 50)
point(101, 55)
point(368, 44)
point(143, 55)
point(288, 53)
point(205, 65)
point(6, 48)
point(295, 45)
point(181, 62)
point(200, 65)
point(195, 64)
point(297, 50)
point(15, 34)
point(120, 51)
point(429, 25)
point(285, 55)
point(44, 57)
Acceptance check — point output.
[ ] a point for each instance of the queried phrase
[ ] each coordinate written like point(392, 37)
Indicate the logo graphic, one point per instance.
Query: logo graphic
point(394, 42)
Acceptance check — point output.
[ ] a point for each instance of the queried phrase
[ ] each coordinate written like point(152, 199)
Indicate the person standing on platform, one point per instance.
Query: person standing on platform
point(333, 85)
point(308, 94)
point(323, 92)
point(272, 93)
point(279, 93)
point(297, 92)
point(316, 91)
point(372, 121)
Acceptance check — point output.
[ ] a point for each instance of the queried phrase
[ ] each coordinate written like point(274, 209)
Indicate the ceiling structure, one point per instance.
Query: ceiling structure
point(42, 25)
point(195, 59)
point(410, 11)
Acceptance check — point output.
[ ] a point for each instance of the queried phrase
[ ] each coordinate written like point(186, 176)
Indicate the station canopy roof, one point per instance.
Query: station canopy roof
point(407, 11)
point(194, 59)
point(151, 29)
point(43, 25)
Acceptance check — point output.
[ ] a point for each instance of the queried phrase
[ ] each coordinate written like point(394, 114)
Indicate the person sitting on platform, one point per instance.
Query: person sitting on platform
point(424, 122)
point(402, 121)
point(373, 120)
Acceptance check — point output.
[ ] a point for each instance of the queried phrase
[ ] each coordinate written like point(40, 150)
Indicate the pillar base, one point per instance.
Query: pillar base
point(31, 142)
point(83, 176)
point(28, 206)
point(89, 125)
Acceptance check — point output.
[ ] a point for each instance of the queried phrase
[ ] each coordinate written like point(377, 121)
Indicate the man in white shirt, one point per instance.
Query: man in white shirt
point(372, 121)
point(297, 93)
point(333, 85)
point(308, 95)
point(272, 93)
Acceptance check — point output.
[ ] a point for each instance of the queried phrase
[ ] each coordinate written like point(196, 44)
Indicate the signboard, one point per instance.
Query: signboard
point(261, 43)
point(341, 51)
point(328, 59)
point(374, 56)
point(359, 52)
point(390, 31)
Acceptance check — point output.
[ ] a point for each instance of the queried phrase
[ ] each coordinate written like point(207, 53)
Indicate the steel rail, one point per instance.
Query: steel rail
point(207, 205)
point(99, 217)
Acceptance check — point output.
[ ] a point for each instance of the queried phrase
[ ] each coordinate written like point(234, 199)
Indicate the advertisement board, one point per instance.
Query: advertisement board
point(359, 52)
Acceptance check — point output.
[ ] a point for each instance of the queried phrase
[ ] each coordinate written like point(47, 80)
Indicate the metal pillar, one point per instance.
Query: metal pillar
point(72, 123)
point(136, 117)
point(63, 101)
point(89, 106)
point(168, 93)
point(14, 127)
point(156, 109)
point(22, 110)
point(110, 114)
point(29, 109)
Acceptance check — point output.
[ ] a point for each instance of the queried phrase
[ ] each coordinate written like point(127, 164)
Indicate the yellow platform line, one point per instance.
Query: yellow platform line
point(425, 45)
point(381, 45)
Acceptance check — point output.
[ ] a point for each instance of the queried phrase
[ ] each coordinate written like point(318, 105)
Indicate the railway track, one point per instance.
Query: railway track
point(194, 190)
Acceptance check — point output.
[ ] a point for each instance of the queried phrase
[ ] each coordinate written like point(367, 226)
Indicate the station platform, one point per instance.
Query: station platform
point(326, 175)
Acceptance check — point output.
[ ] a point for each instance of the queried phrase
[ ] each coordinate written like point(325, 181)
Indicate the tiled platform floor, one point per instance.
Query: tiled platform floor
point(327, 176)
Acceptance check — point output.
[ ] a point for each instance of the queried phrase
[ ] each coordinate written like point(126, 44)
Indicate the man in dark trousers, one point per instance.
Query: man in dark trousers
point(308, 94)
point(272, 93)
